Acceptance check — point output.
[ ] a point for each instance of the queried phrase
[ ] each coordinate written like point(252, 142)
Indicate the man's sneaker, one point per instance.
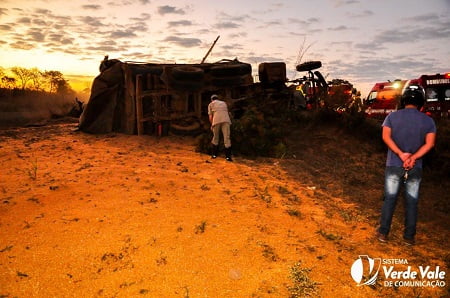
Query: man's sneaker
point(382, 237)
point(409, 242)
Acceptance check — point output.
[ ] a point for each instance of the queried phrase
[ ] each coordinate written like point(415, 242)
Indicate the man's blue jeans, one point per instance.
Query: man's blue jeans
point(394, 179)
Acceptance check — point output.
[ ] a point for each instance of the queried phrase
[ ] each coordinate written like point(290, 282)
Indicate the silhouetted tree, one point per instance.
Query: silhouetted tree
point(36, 78)
point(8, 82)
point(23, 74)
point(54, 79)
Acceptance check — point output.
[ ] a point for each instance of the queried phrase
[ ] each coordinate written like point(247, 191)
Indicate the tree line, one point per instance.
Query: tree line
point(51, 81)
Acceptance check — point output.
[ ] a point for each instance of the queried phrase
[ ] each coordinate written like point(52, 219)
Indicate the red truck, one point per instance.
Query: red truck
point(437, 94)
point(385, 97)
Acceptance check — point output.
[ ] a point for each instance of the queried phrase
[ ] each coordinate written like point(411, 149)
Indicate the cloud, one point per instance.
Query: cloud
point(140, 27)
point(3, 11)
point(339, 28)
point(6, 27)
point(35, 34)
point(91, 7)
point(340, 3)
point(42, 11)
point(183, 42)
point(61, 38)
point(22, 45)
point(92, 21)
point(274, 23)
point(142, 18)
point(234, 46)
point(180, 23)
point(122, 34)
point(24, 20)
point(430, 17)
point(166, 9)
point(306, 22)
point(361, 14)
point(226, 25)
point(105, 49)
point(238, 35)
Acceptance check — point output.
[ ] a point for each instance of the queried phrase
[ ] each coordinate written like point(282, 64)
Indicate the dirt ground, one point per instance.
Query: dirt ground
point(139, 216)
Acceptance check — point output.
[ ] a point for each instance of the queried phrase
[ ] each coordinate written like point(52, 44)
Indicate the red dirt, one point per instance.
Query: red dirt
point(126, 216)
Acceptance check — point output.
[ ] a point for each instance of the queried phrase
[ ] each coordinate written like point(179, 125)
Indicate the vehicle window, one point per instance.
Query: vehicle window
point(447, 94)
point(431, 94)
point(372, 95)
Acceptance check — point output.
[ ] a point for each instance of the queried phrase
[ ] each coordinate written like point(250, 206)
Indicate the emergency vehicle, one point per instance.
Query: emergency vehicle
point(384, 98)
point(437, 94)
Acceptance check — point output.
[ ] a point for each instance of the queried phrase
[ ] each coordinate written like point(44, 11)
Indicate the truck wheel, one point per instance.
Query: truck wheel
point(228, 81)
point(310, 65)
point(184, 129)
point(185, 85)
point(231, 70)
point(188, 73)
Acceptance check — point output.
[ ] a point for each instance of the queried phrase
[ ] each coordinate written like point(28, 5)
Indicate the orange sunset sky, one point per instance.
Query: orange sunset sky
point(362, 41)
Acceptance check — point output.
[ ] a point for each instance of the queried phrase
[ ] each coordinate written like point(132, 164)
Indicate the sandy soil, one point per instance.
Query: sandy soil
point(126, 216)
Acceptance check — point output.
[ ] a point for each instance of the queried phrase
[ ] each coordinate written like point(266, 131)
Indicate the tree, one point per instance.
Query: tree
point(54, 79)
point(36, 78)
point(23, 74)
point(8, 82)
point(63, 87)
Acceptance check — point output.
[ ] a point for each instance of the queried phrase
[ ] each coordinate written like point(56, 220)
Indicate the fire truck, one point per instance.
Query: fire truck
point(385, 97)
point(437, 94)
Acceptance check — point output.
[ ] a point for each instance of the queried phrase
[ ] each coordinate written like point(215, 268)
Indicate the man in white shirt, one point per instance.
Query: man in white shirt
point(220, 122)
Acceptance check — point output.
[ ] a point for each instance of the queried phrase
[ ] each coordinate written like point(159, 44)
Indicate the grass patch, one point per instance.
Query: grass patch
point(269, 252)
point(200, 229)
point(329, 236)
point(265, 196)
point(302, 285)
point(32, 171)
point(294, 212)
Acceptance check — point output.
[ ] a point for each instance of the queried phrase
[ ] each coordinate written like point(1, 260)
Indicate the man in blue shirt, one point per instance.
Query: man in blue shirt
point(409, 135)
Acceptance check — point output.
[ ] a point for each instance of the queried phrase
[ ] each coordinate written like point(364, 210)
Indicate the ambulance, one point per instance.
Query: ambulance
point(384, 98)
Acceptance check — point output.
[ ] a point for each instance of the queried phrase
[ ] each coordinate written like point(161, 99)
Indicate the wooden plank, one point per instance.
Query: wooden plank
point(139, 111)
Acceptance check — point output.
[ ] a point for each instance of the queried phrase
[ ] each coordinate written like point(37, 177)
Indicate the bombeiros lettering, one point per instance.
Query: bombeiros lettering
point(438, 81)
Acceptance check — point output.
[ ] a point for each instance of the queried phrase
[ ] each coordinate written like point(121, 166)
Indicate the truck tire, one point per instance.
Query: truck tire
point(231, 69)
point(184, 129)
point(185, 85)
point(228, 81)
point(188, 73)
point(308, 66)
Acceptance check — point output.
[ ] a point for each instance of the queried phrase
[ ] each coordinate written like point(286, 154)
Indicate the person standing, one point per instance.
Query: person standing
point(409, 134)
point(220, 122)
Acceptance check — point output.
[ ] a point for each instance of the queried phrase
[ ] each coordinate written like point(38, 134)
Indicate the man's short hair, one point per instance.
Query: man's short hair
point(413, 96)
point(214, 96)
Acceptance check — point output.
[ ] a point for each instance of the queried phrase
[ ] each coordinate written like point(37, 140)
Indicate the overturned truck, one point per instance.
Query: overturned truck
point(147, 98)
